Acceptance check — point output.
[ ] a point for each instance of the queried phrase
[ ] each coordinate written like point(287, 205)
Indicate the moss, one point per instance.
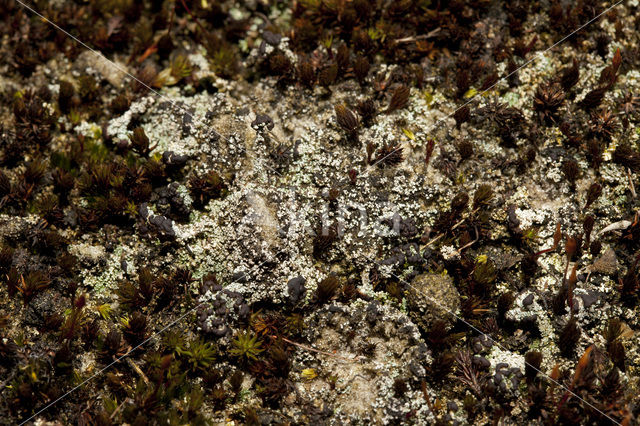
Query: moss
point(246, 346)
point(198, 354)
point(567, 112)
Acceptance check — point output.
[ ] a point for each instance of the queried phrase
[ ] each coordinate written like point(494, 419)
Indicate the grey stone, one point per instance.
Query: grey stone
point(432, 297)
point(606, 264)
point(527, 300)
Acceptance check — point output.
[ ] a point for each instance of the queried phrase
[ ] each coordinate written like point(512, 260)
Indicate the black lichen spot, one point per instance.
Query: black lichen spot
point(602, 44)
point(262, 122)
point(173, 161)
point(296, 289)
point(400, 387)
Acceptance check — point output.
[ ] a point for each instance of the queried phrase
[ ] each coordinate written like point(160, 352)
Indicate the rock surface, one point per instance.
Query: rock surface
point(432, 297)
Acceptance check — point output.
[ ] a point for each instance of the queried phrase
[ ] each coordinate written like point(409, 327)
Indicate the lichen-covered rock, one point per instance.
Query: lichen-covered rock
point(606, 264)
point(356, 344)
point(431, 297)
point(308, 145)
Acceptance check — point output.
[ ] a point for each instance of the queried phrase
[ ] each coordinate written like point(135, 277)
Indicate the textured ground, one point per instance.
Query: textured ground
point(275, 258)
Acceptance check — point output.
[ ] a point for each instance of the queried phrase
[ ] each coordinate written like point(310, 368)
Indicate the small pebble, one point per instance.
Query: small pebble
point(527, 300)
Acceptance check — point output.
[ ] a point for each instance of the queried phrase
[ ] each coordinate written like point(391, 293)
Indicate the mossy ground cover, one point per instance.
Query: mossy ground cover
point(255, 221)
